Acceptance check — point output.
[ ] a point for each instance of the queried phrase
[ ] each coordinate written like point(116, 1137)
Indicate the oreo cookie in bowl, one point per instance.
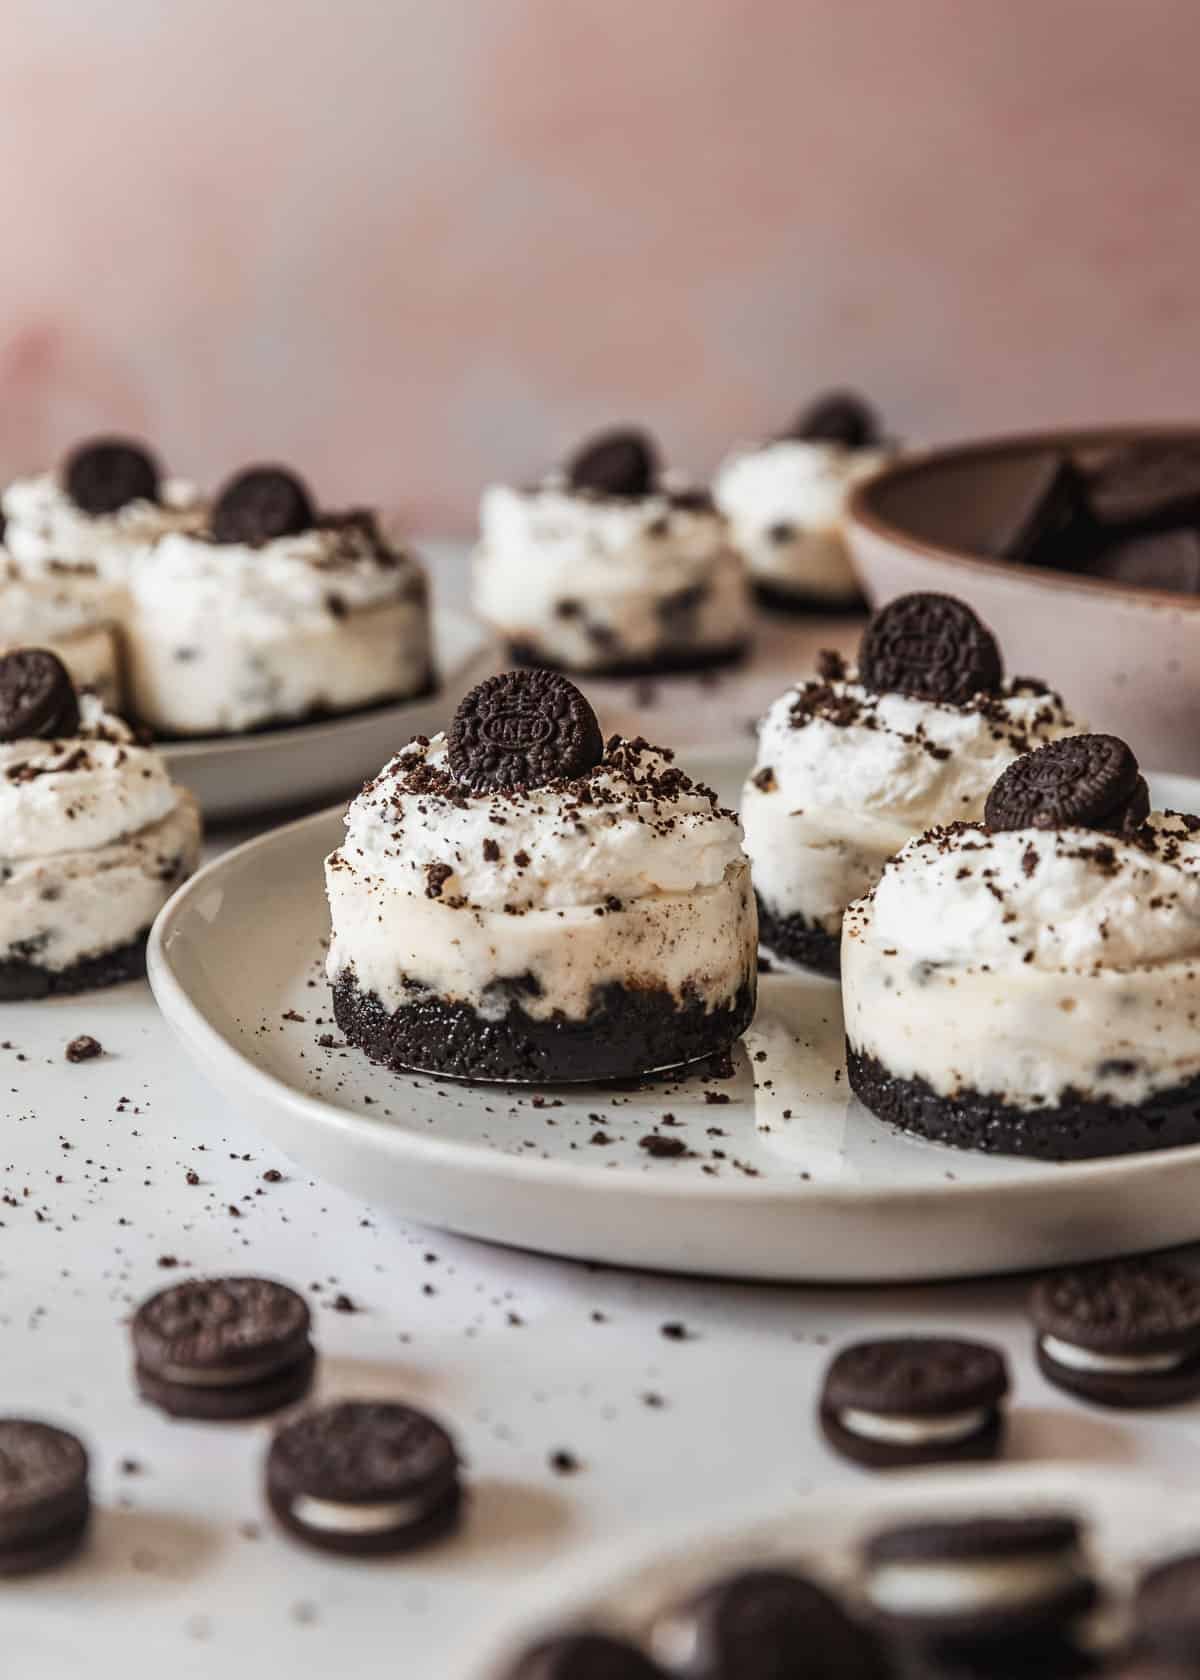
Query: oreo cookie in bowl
point(611, 567)
point(853, 762)
point(521, 900)
point(1030, 984)
point(94, 835)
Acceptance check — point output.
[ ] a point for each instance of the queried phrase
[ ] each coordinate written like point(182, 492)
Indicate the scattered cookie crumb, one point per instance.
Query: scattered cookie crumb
point(85, 1048)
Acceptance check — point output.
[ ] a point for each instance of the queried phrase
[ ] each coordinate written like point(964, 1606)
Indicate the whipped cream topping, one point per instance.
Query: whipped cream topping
point(785, 501)
point(845, 777)
point(76, 794)
point(1067, 899)
point(43, 523)
point(632, 827)
point(324, 573)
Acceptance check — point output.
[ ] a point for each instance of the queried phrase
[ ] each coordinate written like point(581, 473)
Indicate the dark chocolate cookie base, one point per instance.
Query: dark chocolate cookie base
point(1124, 1390)
point(626, 1033)
point(1078, 1130)
point(21, 978)
point(797, 603)
point(667, 662)
point(46, 1550)
point(436, 1525)
point(795, 939)
point(897, 1455)
point(317, 714)
point(1043, 1618)
point(228, 1404)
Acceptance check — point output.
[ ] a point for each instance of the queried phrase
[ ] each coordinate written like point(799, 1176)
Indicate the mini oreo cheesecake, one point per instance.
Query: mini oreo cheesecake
point(94, 836)
point(273, 613)
point(786, 499)
point(107, 503)
point(607, 569)
point(521, 901)
point(853, 763)
point(1031, 984)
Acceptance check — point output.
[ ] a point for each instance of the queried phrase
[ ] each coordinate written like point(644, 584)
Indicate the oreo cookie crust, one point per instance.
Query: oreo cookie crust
point(44, 1500)
point(906, 1401)
point(801, 603)
point(768, 1624)
point(987, 1578)
point(1078, 1129)
point(217, 1349)
point(794, 939)
point(584, 1656)
point(1125, 1334)
point(625, 1033)
point(364, 1478)
point(669, 660)
point(21, 978)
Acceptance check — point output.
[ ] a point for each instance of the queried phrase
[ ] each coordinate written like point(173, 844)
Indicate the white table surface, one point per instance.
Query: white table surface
point(522, 1356)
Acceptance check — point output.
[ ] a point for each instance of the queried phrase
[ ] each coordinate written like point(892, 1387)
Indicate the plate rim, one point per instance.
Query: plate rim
point(212, 1049)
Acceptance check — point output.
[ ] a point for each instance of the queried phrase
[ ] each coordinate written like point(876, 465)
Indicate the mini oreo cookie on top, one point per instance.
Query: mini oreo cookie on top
point(622, 462)
point(522, 730)
point(261, 504)
point(931, 647)
point(44, 1499)
point(1081, 781)
point(365, 1478)
point(584, 1656)
point(913, 1400)
point(37, 697)
point(104, 475)
point(765, 1624)
point(216, 1349)
point(838, 417)
point(1124, 1334)
point(968, 1581)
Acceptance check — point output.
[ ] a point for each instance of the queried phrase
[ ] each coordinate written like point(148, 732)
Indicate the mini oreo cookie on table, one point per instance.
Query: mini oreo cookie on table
point(584, 1656)
point(365, 1478)
point(1125, 1334)
point(217, 1349)
point(980, 1580)
point(44, 1499)
point(907, 1401)
point(765, 1624)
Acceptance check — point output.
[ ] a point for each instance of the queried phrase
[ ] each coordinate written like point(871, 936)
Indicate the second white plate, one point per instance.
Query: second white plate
point(786, 1176)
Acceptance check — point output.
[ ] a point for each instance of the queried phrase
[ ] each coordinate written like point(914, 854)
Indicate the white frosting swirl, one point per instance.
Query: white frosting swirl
point(845, 777)
point(43, 523)
point(631, 828)
point(75, 794)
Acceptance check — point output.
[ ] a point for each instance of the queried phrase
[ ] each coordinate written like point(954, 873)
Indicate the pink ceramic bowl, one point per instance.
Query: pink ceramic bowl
point(1126, 659)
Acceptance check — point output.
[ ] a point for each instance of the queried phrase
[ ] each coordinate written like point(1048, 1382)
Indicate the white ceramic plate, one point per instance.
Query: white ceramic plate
point(1131, 1520)
point(240, 774)
point(788, 1177)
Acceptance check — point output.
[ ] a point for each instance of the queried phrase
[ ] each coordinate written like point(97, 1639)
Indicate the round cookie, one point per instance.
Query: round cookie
point(260, 504)
point(770, 1624)
point(364, 1478)
point(838, 417)
point(1125, 1334)
point(985, 1578)
point(905, 1401)
point(37, 697)
point(1166, 1609)
point(105, 474)
point(522, 730)
point(44, 1500)
point(616, 463)
point(216, 1349)
point(1082, 781)
point(584, 1656)
point(931, 647)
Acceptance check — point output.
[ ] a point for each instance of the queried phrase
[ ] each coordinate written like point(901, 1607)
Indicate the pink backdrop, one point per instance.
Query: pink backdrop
point(413, 244)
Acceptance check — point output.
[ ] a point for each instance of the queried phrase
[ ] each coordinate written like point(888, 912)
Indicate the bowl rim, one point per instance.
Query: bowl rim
point(861, 510)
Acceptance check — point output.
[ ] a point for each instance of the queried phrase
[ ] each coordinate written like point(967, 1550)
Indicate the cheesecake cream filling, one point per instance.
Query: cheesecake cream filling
point(225, 638)
point(950, 1588)
point(899, 1430)
point(1029, 965)
point(844, 778)
point(42, 523)
point(786, 504)
point(1076, 1358)
point(589, 580)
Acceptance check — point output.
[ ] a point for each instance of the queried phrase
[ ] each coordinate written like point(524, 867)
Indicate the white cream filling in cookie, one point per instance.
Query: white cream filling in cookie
point(912, 1431)
point(334, 1516)
point(944, 1587)
point(1077, 1358)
